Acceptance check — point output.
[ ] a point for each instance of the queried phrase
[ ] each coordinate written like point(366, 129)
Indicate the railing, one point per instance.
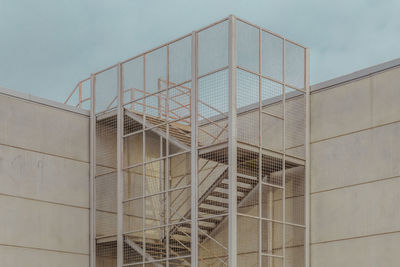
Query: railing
point(161, 109)
point(78, 89)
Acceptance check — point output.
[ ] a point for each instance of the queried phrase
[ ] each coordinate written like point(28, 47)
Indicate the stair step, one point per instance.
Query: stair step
point(239, 188)
point(240, 184)
point(220, 195)
point(224, 195)
point(225, 191)
point(202, 227)
point(160, 248)
point(215, 203)
point(218, 199)
point(247, 180)
point(177, 133)
point(212, 220)
point(213, 207)
point(211, 211)
point(182, 233)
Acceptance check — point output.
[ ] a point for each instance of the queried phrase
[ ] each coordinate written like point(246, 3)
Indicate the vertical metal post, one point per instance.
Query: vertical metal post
point(232, 146)
point(193, 155)
point(260, 140)
point(167, 169)
point(270, 228)
point(159, 95)
point(80, 95)
point(144, 163)
point(307, 209)
point(132, 99)
point(284, 153)
point(120, 178)
point(92, 170)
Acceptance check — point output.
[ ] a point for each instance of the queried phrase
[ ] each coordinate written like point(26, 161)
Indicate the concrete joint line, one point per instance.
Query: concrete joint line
point(353, 132)
point(354, 237)
point(352, 185)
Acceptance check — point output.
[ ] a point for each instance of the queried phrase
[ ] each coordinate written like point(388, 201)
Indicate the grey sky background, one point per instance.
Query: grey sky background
point(47, 46)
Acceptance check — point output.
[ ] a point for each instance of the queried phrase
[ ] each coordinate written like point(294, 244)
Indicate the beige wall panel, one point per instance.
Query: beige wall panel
point(371, 101)
point(247, 239)
point(356, 211)
point(43, 225)
point(295, 125)
point(371, 251)
point(43, 177)
point(105, 262)
point(272, 133)
point(341, 110)
point(294, 210)
point(133, 149)
point(294, 257)
point(23, 257)
point(42, 128)
point(248, 127)
point(247, 259)
point(106, 223)
point(386, 96)
point(356, 158)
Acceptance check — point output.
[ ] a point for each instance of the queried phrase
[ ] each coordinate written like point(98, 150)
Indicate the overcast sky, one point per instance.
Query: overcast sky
point(46, 46)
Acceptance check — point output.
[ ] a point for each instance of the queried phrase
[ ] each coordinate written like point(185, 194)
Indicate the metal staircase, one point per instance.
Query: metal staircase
point(199, 132)
point(212, 203)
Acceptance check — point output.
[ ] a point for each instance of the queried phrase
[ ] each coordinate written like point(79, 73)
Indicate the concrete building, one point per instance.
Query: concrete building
point(211, 150)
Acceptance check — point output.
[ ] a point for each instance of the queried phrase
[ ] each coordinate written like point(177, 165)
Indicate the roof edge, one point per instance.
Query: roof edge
point(43, 101)
point(356, 75)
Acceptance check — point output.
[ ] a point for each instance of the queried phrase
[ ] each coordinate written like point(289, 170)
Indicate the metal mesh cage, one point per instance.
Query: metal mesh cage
point(200, 151)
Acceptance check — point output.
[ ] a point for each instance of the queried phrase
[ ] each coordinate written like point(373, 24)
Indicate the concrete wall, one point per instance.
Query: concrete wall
point(355, 178)
point(355, 172)
point(44, 177)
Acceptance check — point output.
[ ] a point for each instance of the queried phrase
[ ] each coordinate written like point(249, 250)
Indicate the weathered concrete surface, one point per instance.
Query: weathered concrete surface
point(371, 251)
point(357, 105)
point(355, 173)
point(44, 177)
point(22, 257)
point(105, 262)
point(43, 225)
point(356, 211)
point(341, 110)
point(386, 96)
point(357, 158)
point(41, 128)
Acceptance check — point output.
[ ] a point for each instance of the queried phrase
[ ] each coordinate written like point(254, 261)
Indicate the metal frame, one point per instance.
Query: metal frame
point(92, 170)
point(194, 153)
point(120, 178)
point(232, 145)
point(220, 130)
point(307, 207)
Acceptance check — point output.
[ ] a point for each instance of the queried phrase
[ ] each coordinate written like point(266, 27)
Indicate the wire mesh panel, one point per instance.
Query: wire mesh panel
point(106, 90)
point(248, 95)
point(133, 80)
point(271, 146)
point(295, 121)
point(200, 143)
point(212, 130)
point(212, 108)
point(213, 245)
point(294, 65)
point(106, 85)
point(157, 139)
